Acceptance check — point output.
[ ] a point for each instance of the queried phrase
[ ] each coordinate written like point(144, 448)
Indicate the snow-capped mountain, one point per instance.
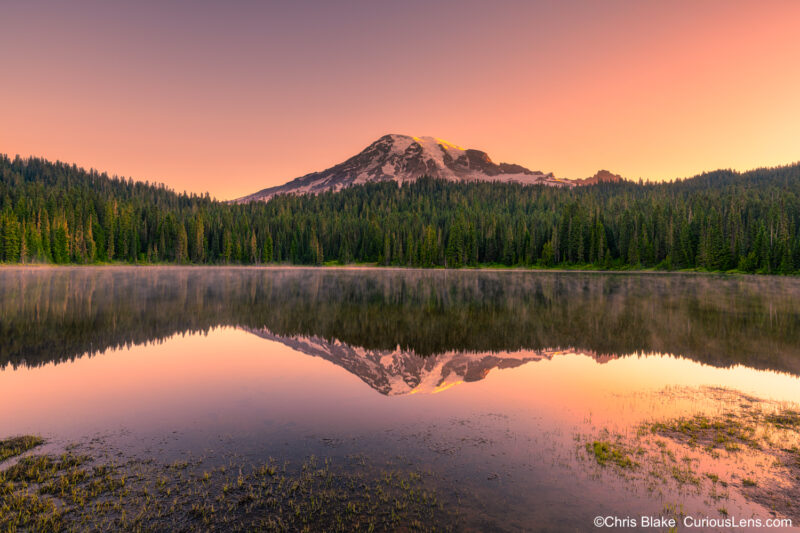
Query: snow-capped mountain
point(403, 158)
point(399, 372)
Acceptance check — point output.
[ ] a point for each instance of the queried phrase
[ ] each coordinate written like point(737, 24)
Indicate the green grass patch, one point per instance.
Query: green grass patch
point(784, 420)
point(73, 492)
point(726, 432)
point(17, 445)
point(606, 452)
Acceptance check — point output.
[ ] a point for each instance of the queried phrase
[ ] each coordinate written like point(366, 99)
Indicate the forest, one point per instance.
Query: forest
point(53, 212)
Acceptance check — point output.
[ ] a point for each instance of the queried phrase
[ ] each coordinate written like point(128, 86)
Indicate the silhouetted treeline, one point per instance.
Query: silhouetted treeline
point(54, 212)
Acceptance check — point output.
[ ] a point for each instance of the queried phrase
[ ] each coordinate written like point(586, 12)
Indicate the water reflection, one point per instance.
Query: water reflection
point(377, 323)
point(202, 365)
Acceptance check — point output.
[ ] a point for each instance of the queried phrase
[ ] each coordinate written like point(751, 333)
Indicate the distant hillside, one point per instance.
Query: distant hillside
point(54, 212)
point(403, 159)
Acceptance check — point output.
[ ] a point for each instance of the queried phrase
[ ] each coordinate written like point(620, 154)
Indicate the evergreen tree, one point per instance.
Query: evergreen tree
point(266, 255)
point(181, 245)
point(60, 213)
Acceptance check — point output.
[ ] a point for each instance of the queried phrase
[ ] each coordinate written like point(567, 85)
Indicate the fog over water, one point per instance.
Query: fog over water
point(491, 380)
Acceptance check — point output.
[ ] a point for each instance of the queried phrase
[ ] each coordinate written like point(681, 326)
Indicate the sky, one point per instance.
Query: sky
point(232, 97)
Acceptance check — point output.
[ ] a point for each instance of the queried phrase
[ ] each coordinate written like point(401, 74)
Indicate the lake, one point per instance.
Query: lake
point(233, 398)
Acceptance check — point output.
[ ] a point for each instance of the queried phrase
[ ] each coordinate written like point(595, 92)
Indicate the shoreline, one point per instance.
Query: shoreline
point(373, 267)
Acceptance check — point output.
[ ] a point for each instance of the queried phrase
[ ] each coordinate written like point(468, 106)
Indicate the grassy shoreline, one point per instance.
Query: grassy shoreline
point(561, 269)
point(752, 450)
point(80, 490)
point(749, 454)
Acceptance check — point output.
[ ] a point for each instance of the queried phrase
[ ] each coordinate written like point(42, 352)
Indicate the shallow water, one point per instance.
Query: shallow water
point(491, 381)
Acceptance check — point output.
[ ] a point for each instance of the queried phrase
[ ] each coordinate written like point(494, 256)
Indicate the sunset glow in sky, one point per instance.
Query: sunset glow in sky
point(232, 97)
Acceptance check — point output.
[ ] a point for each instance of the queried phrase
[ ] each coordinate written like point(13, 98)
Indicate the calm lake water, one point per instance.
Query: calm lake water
point(490, 382)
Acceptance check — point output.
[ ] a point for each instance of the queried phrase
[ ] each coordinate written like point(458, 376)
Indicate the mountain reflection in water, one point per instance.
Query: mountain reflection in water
point(406, 331)
point(204, 367)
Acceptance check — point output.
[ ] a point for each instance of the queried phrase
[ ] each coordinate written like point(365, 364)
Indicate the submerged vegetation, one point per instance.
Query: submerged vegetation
point(753, 449)
point(74, 492)
point(723, 220)
point(606, 452)
point(14, 446)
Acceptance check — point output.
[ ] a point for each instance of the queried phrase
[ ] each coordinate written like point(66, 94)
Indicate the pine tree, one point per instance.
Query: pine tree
point(429, 247)
point(108, 224)
point(60, 242)
point(548, 256)
point(91, 247)
point(11, 238)
point(23, 244)
point(46, 231)
point(227, 245)
point(386, 257)
point(266, 256)
point(181, 245)
point(198, 241)
point(253, 257)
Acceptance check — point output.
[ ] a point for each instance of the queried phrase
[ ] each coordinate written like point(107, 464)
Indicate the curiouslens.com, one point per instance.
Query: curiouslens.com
point(729, 522)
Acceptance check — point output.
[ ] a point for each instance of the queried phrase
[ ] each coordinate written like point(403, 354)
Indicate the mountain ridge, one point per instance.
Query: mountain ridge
point(403, 158)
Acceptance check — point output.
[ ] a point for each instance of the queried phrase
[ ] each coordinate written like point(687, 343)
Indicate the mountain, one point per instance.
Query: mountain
point(402, 159)
point(602, 176)
point(400, 372)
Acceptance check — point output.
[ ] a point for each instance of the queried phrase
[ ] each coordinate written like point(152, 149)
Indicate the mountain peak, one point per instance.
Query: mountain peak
point(429, 148)
point(602, 176)
point(405, 158)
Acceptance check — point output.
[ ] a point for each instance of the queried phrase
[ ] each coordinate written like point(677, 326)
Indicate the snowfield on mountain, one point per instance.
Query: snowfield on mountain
point(402, 158)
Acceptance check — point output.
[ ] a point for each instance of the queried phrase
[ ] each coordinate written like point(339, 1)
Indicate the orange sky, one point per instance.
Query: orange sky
point(231, 97)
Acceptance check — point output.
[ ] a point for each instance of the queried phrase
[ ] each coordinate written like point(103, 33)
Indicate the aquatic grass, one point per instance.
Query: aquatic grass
point(267, 469)
point(39, 491)
point(75, 492)
point(606, 452)
point(724, 432)
point(14, 446)
point(762, 437)
point(684, 475)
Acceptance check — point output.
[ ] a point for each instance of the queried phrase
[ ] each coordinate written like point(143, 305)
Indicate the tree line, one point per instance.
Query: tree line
point(722, 220)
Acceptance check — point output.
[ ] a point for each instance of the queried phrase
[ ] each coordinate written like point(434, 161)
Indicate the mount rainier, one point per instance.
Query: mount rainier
point(402, 158)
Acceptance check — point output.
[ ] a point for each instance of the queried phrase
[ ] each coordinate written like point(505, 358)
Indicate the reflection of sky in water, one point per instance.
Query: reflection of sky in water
point(508, 439)
point(230, 390)
point(232, 380)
